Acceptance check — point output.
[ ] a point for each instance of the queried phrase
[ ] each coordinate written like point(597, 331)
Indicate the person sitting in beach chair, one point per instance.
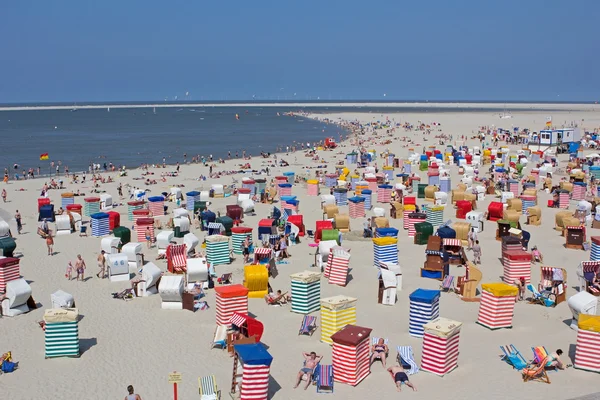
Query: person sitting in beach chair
point(379, 350)
point(309, 325)
point(311, 360)
point(277, 299)
point(225, 279)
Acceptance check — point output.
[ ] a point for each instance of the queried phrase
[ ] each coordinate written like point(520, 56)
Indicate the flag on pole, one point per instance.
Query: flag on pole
point(44, 156)
point(548, 122)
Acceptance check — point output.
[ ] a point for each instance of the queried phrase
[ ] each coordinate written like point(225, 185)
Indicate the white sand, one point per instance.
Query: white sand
point(138, 343)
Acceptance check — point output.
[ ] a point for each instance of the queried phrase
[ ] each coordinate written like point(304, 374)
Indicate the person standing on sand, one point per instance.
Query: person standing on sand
point(4, 194)
point(19, 223)
point(49, 244)
point(148, 237)
point(131, 395)
point(400, 377)
point(101, 265)
point(80, 267)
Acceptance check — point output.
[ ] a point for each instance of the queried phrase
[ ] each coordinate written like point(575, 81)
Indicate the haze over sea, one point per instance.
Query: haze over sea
point(132, 136)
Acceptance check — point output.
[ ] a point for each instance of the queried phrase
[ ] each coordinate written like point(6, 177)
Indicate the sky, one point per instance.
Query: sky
point(115, 50)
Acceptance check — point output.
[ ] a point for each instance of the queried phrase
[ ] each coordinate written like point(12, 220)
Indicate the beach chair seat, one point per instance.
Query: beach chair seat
point(176, 258)
point(448, 283)
point(225, 279)
point(536, 372)
point(406, 359)
point(324, 378)
point(220, 337)
point(513, 357)
point(207, 386)
point(542, 298)
point(309, 325)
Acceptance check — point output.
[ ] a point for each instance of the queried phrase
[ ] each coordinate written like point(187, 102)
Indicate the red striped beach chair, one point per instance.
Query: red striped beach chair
point(447, 283)
point(309, 325)
point(176, 258)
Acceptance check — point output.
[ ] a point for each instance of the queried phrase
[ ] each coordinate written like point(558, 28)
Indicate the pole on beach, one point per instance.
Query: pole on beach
point(175, 378)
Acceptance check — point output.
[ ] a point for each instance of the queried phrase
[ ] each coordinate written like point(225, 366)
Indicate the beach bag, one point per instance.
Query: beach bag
point(8, 366)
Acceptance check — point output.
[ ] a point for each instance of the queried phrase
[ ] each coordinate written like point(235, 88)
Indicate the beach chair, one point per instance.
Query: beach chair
point(176, 258)
point(83, 231)
point(310, 234)
point(309, 325)
point(207, 386)
point(406, 359)
point(225, 279)
point(513, 357)
point(539, 298)
point(220, 338)
point(447, 283)
point(374, 341)
point(540, 353)
point(324, 378)
point(276, 301)
point(535, 372)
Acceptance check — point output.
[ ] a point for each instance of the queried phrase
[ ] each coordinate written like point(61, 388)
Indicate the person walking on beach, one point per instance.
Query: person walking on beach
point(400, 377)
point(101, 265)
point(80, 267)
point(4, 194)
point(131, 395)
point(49, 244)
point(69, 271)
point(19, 223)
point(476, 252)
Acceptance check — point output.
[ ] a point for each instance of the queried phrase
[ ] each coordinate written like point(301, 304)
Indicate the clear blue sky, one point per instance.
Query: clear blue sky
point(64, 51)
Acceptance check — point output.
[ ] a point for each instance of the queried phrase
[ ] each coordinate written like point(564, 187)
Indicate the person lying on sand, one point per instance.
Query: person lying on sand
point(400, 377)
point(310, 362)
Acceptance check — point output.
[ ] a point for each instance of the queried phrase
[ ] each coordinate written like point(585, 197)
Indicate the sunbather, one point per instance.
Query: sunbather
point(379, 350)
point(310, 362)
point(400, 377)
point(555, 361)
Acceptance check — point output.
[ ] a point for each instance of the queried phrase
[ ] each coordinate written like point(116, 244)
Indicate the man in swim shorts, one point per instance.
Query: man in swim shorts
point(310, 362)
point(400, 377)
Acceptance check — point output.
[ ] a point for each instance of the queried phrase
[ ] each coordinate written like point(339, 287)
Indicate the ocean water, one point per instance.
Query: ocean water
point(134, 136)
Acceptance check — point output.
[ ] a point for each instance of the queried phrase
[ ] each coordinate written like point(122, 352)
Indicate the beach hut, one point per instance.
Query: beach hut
point(445, 184)
point(91, 206)
point(100, 224)
point(170, 289)
point(74, 209)
point(563, 199)
point(350, 354)
point(230, 299)
point(423, 230)
point(106, 202)
point(9, 271)
point(66, 199)
point(118, 267)
point(517, 264)
point(360, 187)
point(574, 237)
point(123, 233)
point(110, 245)
point(150, 278)
point(63, 225)
point(217, 250)
point(61, 333)
point(284, 189)
point(384, 193)
point(191, 198)
point(462, 208)
point(415, 218)
point(341, 196)
point(385, 249)
point(156, 205)
point(320, 227)
point(497, 305)
point(134, 205)
point(256, 280)
point(595, 253)
point(250, 184)
point(336, 313)
point(251, 369)
point(140, 227)
point(305, 291)
point(386, 293)
point(587, 349)
point(217, 191)
point(46, 213)
point(191, 241)
point(181, 226)
point(527, 202)
point(582, 303)
point(17, 298)
point(495, 211)
point(176, 258)
point(367, 195)
point(238, 235)
point(114, 220)
point(336, 269)
point(312, 187)
point(134, 253)
point(267, 226)
point(556, 278)
point(298, 221)
point(163, 239)
point(62, 299)
point(43, 201)
point(475, 218)
point(424, 307)
point(386, 232)
point(440, 346)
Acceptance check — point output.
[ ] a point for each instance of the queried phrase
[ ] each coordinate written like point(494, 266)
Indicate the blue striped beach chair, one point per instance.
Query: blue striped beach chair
point(513, 357)
point(309, 325)
point(406, 359)
point(324, 378)
point(447, 283)
point(207, 386)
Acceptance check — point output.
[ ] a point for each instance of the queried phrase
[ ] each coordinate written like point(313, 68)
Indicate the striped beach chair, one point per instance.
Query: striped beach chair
point(215, 228)
point(309, 325)
point(207, 386)
point(176, 258)
point(324, 378)
point(447, 283)
point(406, 359)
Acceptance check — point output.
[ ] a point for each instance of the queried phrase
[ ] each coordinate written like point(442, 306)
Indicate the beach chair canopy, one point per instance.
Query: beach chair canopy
point(253, 354)
point(253, 327)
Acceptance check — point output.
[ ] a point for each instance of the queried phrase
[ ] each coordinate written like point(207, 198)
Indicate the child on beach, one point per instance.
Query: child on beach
point(536, 255)
point(69, 271)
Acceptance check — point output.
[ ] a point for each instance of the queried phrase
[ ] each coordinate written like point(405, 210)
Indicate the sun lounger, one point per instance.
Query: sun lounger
point(324, 378)
point(513, 357)
point(448, 283)
point(406, 359)
point(309, 325)
point(540, 298)
point(207, 386)
point(220, 338)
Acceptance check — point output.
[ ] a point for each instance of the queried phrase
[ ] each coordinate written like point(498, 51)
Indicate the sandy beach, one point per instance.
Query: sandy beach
point(136, 342)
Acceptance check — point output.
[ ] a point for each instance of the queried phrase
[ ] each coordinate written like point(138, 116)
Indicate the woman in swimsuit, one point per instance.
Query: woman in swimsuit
point(379, 351)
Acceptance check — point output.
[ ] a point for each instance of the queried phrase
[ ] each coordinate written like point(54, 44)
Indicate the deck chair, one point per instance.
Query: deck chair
point(539, 298)
point(448, 283)
point(310, 233)
point(513, 357)
point(225, 279)
point(324, 378)
point(374, 341)
point(83, 231)
point(309, 325)
point(220, 338)
point(406, 359)
point(275, 301)
point(536, 372)
point(207, 386)
point(540, 353)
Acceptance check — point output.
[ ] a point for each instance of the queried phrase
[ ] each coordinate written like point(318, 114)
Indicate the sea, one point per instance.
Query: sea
point(133, 136)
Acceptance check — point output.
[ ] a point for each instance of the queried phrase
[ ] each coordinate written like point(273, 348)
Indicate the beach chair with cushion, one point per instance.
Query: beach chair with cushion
point(324, 378)
point(447, 283)
point(220, 338)
point(309, 325)
point(406, 359)
point(542, 298)
point(534, 372)
point(207, 386)
point(225, 279)
point(513, 357)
